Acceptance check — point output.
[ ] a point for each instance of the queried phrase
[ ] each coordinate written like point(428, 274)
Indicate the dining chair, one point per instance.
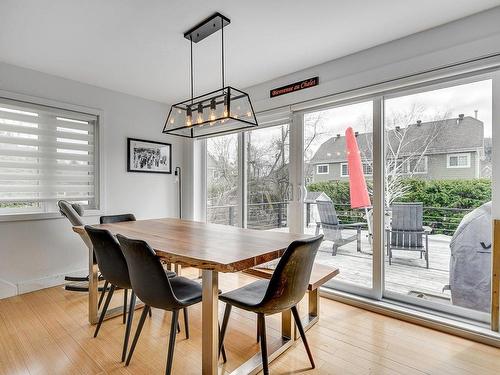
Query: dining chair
point(155, 290)
point(282, 292)
point(109, 219)
point(113, 267)
point(74, 213)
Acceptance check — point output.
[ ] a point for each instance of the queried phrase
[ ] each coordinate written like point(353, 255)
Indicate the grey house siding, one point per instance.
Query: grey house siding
point(436, 169)
point(333, 173)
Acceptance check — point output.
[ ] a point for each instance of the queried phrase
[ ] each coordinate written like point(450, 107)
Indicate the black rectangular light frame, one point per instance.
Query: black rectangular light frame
point(245, 124)
point(207, 27)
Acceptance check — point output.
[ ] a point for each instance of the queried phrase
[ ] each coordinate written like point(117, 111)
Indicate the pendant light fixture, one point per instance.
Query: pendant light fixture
point(220, 111)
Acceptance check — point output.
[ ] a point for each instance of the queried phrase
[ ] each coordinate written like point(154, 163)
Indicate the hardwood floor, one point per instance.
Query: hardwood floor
point(46, 332)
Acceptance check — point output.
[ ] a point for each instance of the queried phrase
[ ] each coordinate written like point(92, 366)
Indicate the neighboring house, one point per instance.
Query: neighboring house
point(447, 149)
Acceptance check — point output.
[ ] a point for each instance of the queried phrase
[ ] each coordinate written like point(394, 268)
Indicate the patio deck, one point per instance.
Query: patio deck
point(407, 273)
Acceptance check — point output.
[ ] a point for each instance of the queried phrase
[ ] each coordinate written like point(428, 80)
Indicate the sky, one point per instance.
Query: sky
point(449, 102)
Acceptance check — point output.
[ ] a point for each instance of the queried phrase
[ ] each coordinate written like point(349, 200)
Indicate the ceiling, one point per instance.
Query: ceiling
point(137, 47)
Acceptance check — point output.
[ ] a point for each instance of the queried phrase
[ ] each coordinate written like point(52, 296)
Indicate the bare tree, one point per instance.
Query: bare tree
point(406, 147)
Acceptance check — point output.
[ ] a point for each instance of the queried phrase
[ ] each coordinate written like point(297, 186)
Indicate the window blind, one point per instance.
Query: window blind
point(46, 154)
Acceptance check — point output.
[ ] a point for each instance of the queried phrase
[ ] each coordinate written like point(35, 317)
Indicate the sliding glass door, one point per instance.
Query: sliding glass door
point(438, 171)
point(338, 169)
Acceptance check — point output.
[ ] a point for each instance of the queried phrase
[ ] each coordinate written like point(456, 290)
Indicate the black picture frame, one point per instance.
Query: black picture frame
point(159, 145)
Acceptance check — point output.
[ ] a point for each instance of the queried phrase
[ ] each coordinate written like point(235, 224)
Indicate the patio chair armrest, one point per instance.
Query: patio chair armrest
point(352, 225)
point(427, 230)
point(389, 230)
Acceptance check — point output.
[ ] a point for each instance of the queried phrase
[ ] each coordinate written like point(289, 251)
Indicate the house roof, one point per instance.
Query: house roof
point(434, 137)
point(313, 196)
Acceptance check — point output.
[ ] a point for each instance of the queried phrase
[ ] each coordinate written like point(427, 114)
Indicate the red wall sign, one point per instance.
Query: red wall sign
point(305, 84)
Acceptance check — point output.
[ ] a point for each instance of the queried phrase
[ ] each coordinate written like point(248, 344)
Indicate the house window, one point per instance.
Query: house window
point(416, 165)
point(322, 169)
point(344, 170)
point(458, 161)
point(46, 154)
point(367, 169)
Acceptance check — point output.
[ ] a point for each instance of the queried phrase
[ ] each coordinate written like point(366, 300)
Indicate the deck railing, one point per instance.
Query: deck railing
point(274, 215)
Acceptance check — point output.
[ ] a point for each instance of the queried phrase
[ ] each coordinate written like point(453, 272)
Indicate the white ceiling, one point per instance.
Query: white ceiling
point(137, 47)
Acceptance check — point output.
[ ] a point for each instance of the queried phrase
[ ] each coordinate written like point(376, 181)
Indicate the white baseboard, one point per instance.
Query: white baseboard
point(46, 282)
point(7, 289)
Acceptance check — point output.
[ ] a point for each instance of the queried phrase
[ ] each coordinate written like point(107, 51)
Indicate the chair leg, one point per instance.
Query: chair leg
point(358, 239)
point(171, 343)
point(223, 328)
point(296, 317)
point(223, 350)
point(263, 343)
point(137, 333)
point(427, 249)
point(258, 332)
point(186, 322)
point(125, 296)
point(129, 324)
point(104, 309)
point(103, 293)
point(334, 249)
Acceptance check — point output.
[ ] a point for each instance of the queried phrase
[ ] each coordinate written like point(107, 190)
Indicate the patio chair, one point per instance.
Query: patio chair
point(407, 231)
point(333, 229)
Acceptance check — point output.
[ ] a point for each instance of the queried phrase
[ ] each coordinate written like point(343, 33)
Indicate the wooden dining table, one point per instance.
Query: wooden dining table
point(214, 249)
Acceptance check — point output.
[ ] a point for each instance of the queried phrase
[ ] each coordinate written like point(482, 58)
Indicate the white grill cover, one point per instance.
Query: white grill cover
point(470, 261)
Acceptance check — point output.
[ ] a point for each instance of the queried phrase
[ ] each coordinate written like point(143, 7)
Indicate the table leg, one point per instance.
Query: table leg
point(314, 303)
point(210, 330)
point(93, 288)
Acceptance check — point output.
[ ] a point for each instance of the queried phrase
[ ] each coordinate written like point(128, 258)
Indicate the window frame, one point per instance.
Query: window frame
point(342, 174)
point(323, 165)
point(98, 160)
point(424, 159)
point(458, 155)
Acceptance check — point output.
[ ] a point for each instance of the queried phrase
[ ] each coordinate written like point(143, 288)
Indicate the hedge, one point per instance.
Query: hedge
point(437, 196)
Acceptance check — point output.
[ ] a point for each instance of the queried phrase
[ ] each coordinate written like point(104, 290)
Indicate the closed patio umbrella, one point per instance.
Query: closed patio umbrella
point(357, 184)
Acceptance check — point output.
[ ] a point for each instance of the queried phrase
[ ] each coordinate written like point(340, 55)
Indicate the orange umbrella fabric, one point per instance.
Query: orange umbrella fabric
point(357, 184)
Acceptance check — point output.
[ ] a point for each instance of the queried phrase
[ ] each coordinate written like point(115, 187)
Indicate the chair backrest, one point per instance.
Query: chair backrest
point(327, 213)
point(407, 218)
point(291, 276)
point(148, 278)
point(72, 211)
point(110, 258)
point(108, 219)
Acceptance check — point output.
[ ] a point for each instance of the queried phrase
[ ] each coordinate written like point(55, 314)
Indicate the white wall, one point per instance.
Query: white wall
point(458, 41)
point(36, 254)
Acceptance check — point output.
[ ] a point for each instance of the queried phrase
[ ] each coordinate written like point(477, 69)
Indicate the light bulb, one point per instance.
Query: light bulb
point(212, 110)
point(189, 119)
point(226, 105)
point(200, 114)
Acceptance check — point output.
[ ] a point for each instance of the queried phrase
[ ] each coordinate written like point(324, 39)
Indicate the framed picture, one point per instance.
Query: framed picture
point(148, 156)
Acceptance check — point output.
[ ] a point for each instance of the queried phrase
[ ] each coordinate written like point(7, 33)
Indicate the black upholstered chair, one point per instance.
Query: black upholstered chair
point(282, 292)
point(108, 219)
point(156, 290)
point(113, 267)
